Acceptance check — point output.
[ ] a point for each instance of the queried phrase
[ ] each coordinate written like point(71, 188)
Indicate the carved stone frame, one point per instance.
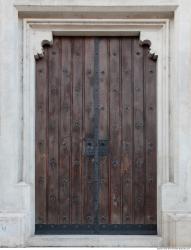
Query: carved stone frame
point(37, 30)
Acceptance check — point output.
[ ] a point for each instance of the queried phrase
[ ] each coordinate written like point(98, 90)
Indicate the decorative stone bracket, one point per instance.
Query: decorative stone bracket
point(41, 39)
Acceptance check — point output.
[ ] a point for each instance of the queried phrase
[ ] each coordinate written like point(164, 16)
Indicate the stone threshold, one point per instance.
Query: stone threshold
point(94, 241)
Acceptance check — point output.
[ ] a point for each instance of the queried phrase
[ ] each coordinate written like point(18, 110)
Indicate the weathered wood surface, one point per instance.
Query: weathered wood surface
point(65, 118)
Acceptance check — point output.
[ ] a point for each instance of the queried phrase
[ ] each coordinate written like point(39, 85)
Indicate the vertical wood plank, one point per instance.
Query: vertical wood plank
point(88, 209)
point(41, 138)
point(65, 133)
point(127, 130)
point(151, 139)
point(139, 159)
point(53, 129)
point(103, 129)
point(76, 208)
point(115, 132)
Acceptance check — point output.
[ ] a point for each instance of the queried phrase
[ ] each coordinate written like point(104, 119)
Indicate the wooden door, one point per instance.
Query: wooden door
point(96, 137)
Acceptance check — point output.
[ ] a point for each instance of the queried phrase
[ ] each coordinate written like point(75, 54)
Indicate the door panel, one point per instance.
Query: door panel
point(53, 132)
point(41, 147)
point(88, 187)
point(104, 129)
point(115, 130)
point(92, 92)
point(127, 130)
point(76, 131)
point(150, 140)
point(139, 157)
point(65, 131)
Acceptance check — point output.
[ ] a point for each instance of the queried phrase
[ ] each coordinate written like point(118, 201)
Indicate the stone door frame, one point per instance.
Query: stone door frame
point(34, 32)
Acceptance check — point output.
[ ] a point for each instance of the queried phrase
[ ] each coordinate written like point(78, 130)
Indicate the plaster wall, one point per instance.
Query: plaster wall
point(16, 186)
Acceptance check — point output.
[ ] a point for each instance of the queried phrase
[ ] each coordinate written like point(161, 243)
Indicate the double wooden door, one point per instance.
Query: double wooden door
point(96, 137)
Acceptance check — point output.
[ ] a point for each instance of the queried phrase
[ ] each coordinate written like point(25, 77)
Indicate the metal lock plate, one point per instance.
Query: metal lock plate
point(103, 147)
point(89, 147)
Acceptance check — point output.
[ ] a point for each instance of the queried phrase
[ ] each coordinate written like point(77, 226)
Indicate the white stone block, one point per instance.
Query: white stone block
point(12, 230)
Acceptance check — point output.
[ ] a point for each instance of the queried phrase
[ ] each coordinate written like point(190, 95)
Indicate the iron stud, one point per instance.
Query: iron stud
point(53, 163)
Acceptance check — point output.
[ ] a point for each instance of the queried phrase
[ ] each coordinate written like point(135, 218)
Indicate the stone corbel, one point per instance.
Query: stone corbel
point(41, 39)
point(147, 37)
point(147, 43)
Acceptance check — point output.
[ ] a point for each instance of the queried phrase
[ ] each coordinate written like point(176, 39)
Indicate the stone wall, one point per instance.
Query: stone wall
point(17, 174)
